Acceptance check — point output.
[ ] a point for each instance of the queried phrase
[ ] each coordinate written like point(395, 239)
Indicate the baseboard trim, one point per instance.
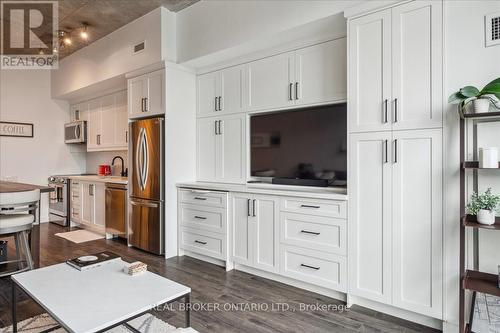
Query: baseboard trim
point(292, 282)
point(211, 260)
point(397, 312)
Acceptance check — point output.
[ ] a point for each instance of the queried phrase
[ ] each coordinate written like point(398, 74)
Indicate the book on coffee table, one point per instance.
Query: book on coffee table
point(90, 261)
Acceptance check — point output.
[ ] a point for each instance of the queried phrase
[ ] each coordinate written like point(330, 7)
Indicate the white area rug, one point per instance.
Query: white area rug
point(79, 236)
point(145, 324)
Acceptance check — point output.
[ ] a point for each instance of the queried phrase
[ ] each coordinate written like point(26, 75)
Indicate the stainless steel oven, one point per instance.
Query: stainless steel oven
point(75, 132)
point(59, 200)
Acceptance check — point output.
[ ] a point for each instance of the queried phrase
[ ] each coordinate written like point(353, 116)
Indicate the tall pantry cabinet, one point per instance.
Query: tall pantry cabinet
point(395, 157)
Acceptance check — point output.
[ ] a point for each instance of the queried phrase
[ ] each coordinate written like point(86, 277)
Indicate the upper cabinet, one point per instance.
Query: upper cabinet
point(220, 92)
point(307, 76)
point(146, 95)
point(396, 68)
point(107, 122)
point(311, 75)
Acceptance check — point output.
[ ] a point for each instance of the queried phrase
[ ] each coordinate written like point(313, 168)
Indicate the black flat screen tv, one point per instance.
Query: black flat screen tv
point(309, 144)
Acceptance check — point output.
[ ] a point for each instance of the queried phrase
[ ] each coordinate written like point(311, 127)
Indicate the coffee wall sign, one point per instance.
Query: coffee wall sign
point(24, 130)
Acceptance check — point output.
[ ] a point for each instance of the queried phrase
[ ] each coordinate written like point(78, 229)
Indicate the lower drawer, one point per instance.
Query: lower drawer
point(200, 217)
point(203, 242)
point(323, 269)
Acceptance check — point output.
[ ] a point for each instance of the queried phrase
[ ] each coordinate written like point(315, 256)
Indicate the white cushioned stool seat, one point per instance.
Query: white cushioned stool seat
point(15, 222)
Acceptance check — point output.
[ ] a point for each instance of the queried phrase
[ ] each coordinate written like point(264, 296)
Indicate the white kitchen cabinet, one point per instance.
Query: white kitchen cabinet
point(255, 231)
point(370, 72)
point(207, 148)
point(320, 73)
point(370, 216)
point(417, 186)
point(107, 122)
point(270, 82)
point(395, 76)
point(395, 219)
point(221, 149)
point(220, 92)
point(146, 94)
point(92, 202)
point(208, 93)
point(417, 65)
point(93, 124)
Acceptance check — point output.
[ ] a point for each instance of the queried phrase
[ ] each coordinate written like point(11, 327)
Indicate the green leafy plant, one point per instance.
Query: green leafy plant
point(469, 93)
point(485, 201)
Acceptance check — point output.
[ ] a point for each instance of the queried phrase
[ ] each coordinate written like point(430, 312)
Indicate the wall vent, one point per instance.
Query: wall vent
point(139, 47)
point(492, 22)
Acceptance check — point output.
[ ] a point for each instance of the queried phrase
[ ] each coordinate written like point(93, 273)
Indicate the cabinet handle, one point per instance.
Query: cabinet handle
point(215, 104)
point(200, 242)
point(200, 217)
point(91, 189)
point(385, 151)
point(142, 104)
point(145, 104)
point(395, 110)
point(385, 111)
point(220, 98)
point(98, 138)
point(290, 97)
point(220, 127)
point(215, 129)
point(77, 114)
point(248, 207)
point(126, 136)
point(199, 198)
point(311, 267)
point(396, 151)
point(309, 206)
point(253, 209)
point(296, 90)
point(310, 232)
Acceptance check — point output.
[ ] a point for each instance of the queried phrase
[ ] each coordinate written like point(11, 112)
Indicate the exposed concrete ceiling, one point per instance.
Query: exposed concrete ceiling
point(105, 16)
point(101, 17)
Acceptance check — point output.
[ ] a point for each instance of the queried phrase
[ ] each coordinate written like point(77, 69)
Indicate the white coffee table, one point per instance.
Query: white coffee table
point(98, 299)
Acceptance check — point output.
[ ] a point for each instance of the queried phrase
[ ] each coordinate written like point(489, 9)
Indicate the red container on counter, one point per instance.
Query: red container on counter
point(104, 170)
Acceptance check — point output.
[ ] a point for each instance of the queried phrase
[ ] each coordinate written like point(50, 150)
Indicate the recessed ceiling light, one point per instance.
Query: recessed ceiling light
point(67, 41)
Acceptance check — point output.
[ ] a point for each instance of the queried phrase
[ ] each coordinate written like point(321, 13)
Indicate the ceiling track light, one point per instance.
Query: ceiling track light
point(83, 31)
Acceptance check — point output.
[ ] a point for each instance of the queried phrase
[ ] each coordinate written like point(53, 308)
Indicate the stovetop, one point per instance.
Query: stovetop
point(64, 178)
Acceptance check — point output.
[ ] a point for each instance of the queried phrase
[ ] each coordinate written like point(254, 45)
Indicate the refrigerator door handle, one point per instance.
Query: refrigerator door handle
point(145, 204)
point(146, 161)
point(141, 159)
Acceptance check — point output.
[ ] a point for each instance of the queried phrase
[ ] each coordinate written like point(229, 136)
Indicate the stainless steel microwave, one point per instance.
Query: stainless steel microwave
point(75, 132)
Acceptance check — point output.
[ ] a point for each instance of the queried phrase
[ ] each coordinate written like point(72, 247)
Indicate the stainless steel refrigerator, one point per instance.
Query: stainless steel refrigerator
point(146, 185)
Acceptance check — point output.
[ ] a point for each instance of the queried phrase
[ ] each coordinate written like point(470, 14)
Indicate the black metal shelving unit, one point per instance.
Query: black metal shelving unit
point(473, 280)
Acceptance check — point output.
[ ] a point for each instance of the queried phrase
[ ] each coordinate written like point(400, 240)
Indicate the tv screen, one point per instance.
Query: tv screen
point(306, 144)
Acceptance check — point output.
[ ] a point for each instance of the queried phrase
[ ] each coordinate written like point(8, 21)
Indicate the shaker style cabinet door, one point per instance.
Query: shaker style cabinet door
point(417, 65)
point(320, 73)
point(137, 90)
point(231, 90)
point(264, 219)
point(207, 90)
point(207, 148)
point(155, 98)
point(232, 149)
point(417, 221)
point(270, 82)
point(93, 124)
point(121, 121)
point(369, 239)
point(107, 126)
point(242, 230)
point(370, 72)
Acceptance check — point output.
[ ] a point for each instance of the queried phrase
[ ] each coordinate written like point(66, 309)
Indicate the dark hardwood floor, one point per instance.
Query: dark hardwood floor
point(210, 285)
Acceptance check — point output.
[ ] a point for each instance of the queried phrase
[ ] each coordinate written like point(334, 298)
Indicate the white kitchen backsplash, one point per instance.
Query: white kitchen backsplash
point(94, 159)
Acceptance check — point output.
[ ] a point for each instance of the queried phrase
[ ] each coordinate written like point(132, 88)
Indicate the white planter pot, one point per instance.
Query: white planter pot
point(486, 217)
point(481, 105)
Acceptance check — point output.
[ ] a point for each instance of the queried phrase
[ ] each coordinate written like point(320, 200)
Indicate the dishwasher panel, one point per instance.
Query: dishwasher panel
point(116, 209)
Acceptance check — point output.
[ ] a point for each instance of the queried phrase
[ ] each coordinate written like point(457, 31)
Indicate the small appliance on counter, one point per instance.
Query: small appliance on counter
point(75, 132)
point(104, 170)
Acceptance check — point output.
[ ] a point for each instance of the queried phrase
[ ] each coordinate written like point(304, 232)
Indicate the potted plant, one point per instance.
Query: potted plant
point(483, 206)
point(481, 98)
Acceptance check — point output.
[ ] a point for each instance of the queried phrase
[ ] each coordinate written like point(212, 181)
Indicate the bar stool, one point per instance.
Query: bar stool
point(18, 212)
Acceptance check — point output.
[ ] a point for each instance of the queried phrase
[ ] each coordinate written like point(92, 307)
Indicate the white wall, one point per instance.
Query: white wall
point(210, 26)
point(25, 97)
point(112, 56)
point(94, 159)
point(468, 62)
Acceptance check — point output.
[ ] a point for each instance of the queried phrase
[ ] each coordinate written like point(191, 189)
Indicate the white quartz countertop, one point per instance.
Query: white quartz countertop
point(102, 179)
point(271, 189)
